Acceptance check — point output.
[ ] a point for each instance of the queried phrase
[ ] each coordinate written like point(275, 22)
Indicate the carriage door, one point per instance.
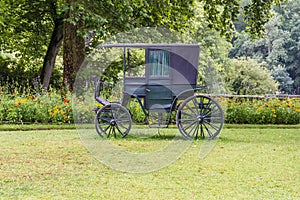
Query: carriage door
point(158, 93)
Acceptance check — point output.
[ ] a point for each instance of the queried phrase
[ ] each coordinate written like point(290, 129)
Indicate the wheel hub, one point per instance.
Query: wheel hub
point(112, 122)
point(200, 119)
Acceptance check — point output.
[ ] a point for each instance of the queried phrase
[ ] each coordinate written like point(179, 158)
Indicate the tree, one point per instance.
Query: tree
point(291, 24)
point(279, 47)
point(112, 19)
point(214, 51)
point(54, 44)
point(32, 24)
point(25, 26)
point(222, 14)
point(74, 46)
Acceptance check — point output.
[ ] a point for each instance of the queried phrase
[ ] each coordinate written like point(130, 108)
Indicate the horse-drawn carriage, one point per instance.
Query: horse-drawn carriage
point(167, 85)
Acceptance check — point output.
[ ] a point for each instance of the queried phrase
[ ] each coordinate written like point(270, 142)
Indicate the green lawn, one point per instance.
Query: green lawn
point(245, 163)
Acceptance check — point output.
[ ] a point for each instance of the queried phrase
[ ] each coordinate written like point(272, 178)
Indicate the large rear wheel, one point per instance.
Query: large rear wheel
point(199, 117)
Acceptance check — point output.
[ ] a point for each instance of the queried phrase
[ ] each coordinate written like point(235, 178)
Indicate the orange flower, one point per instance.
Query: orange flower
point(287, 105)
point(66, 100)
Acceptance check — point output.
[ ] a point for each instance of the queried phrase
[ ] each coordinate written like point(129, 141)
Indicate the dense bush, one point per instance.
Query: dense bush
point(24, 104)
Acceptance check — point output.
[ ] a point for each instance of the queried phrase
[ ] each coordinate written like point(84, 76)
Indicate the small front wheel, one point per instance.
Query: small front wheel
point(113, 119)
point(199, 116)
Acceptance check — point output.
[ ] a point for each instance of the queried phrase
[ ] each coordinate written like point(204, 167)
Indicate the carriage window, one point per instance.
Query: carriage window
point(159, 62)
point(135, 63)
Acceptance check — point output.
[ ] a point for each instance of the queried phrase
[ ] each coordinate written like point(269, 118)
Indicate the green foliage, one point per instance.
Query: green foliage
point(247, 76)
point(259, 10)
point(291, 24)
point(138, 115)
point(279, 46)
point(24, 105)
point(271, 111)
point(26, 27)
point(214, 49)
point(222, 14)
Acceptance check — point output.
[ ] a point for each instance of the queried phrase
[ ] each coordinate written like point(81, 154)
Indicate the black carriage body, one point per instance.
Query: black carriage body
point(170, 73)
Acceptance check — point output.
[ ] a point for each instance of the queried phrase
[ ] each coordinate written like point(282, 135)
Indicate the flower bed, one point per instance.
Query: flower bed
point(45, 107)
point(56, 106)
point(271, 111)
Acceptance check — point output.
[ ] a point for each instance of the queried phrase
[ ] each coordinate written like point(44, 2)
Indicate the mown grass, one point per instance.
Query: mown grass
point(41, 126)
point(244, 164)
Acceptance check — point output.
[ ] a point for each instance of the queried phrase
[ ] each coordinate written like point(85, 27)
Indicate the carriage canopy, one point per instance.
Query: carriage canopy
point(177, 62)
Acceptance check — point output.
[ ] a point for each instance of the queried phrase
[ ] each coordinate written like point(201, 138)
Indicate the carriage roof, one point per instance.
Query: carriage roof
point(145, 45)
point(183, 58)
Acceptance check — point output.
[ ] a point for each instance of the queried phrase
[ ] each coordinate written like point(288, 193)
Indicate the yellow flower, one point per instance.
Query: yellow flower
point(297, 110)
point(259, 108)
point(274, 116)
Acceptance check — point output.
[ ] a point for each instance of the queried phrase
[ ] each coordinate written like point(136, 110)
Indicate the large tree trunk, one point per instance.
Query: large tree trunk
point(74, 49)
point(52, 51)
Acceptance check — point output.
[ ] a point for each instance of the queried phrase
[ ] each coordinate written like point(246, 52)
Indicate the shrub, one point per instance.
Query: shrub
point(35, 106)
point(271, 111)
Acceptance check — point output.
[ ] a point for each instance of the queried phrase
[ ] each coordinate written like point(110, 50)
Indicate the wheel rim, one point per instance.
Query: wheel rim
point(199, 117)
point(113, 120)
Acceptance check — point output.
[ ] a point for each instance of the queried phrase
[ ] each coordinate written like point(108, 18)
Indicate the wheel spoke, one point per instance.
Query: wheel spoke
point(185, 113)
point(187, 120)
point(202, 131)
point(114, 130)
point(102, 124)
point(193, 130)
point(199, 114)
point(189, 125)
point(196, 104)
point(197, 131)
point(104, 118)
point(113, 119)
point(191, 109)
point(208, 130)
point(121, 132)
point(213, 126)
point(109, 131)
